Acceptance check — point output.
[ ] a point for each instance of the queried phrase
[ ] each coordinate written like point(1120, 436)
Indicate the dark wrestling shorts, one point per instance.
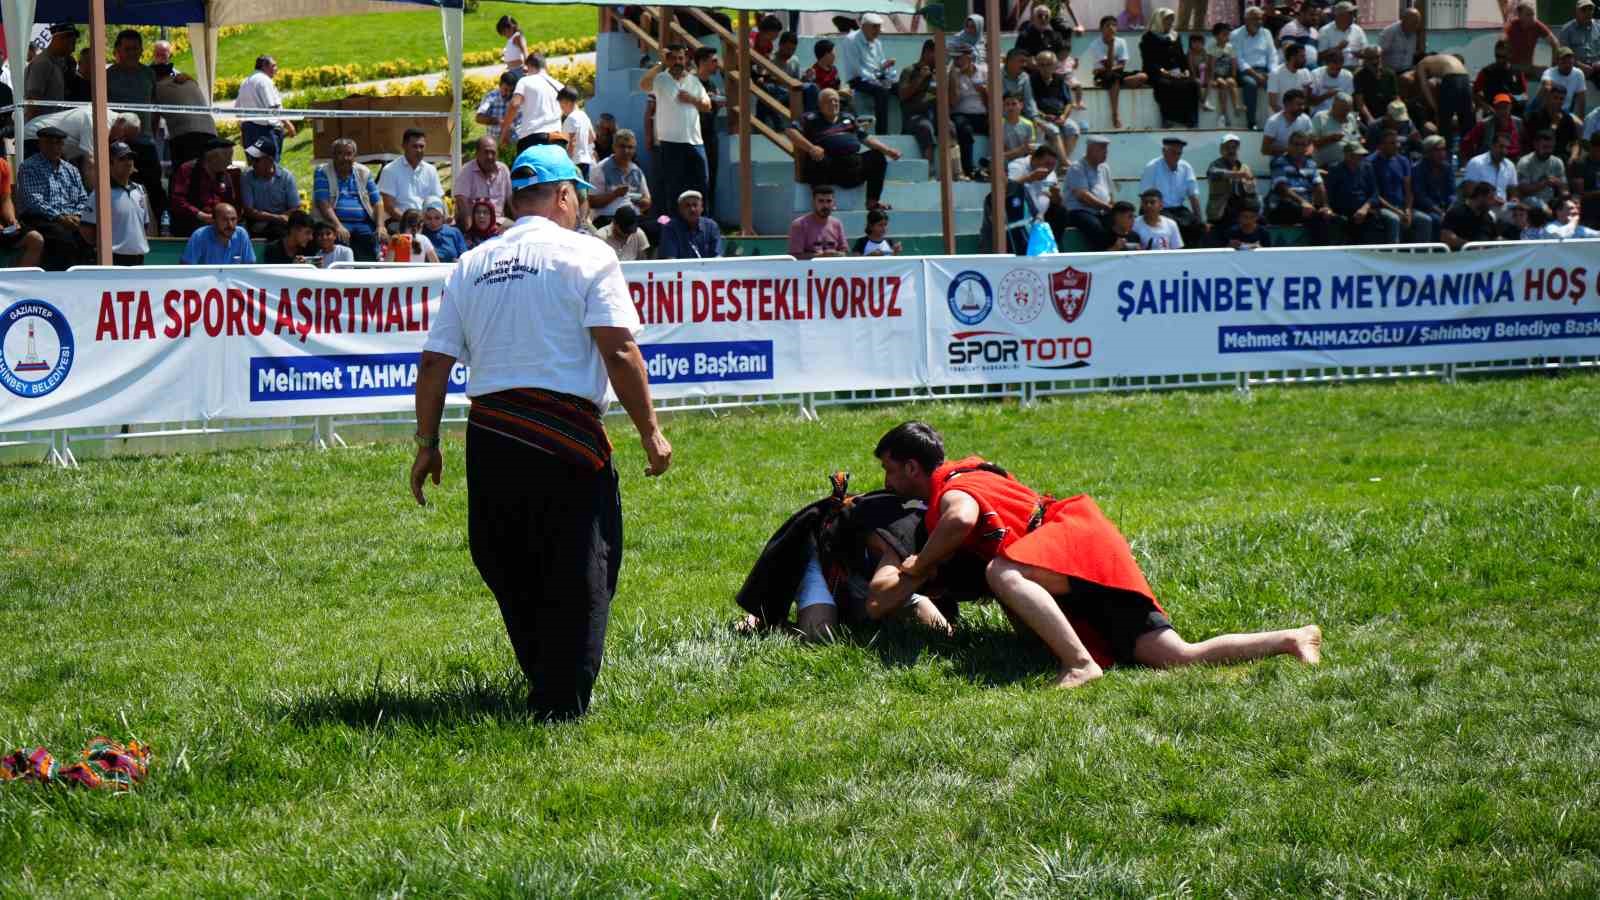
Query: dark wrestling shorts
point(1121, 617)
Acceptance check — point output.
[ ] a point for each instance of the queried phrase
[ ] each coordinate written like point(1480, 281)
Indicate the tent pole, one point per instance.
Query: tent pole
point(663, 31)
point(997, 138)
point(941, 153)
point(747, 108)
point(102, 132)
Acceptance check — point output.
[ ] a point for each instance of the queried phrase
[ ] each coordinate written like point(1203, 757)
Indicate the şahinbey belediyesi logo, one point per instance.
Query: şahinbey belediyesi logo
point(36, 348)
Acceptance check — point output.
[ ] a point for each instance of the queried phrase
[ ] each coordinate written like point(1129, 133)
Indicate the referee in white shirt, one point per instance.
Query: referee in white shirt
point(543, 319)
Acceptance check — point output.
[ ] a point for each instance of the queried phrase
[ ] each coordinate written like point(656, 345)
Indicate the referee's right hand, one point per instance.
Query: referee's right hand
point(657, 450)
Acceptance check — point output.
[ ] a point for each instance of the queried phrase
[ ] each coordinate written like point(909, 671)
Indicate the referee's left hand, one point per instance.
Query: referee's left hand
point(428, 462)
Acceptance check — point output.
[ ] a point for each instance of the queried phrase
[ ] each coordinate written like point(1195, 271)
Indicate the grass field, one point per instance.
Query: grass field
point(348, 40)
point(333, 701)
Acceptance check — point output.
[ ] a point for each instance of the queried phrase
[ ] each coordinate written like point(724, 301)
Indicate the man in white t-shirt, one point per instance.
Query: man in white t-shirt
point(1292, 120)
point(1155, 231)
point(533, 114)
point(260, 92)
point(1333, 78)
point(1495, 169)
point(542, 319)
point(1291, 76)
point(1037, 175)
point(1568, 75)
point(578, 129)
point(680, 153)
point(405, 182)
point(1343, 34)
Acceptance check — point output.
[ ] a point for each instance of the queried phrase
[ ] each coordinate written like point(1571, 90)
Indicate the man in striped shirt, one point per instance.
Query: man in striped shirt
point(543, 318)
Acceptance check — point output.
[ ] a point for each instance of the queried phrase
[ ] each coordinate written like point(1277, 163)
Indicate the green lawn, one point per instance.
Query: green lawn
point(346, 40)
point(333, 701)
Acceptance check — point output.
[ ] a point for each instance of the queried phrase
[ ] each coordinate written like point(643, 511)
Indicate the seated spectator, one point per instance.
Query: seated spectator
point(690, 235)
point(1397, 118)
point(1567, 74)
point(1089, 193)
point(1332, 128)
point(1342, 34)
point(52, 202)
point(1327, 82)
point(619, 182)
point(1108, 66)
point(866, 69)
point(818, 234)
point(605, 130)
point(1291, 120)
point(1396, 194)
point(405, 182)
point(1020, 135)
point(1248, 233)
point(969, 109)
point(1291, 76)
point(200, 184)
point(1500, 77)
point(328, 247)
point(221, 242)
point(1523, 32)
point(1585, 174)
point(1299, 196)
point(295, 245)
point(1541, 175)
point(492, 110)
point(268, 192)
point(1549, 115)
point(1044, 33)
point(447, 240)
point(1053, 96)
point(1037, 176)
point(784, 59)
point(1172, 175)
point(484, 178)
point(1016, 79)
point(1397, 44)
point(1119, 228)
point(1582, 34)
point(408, 244)
point(130, 212)
point(1500, 121)
point(1353, 195)
point(1176, 89)
point(1155, 231)
point(1514, 222)
point(1232, 186)
point(1377, 86)
point(625, 236)
point(12, 234)
point(823, 75)
point(484, 223)
point(918, 91)
point(1433, 182)
point(876, 241)
point(1494, 168)
point(1471, 219)
point(346, 196)
point(831, 143)
point(187, 133)
point(1258, 60)
point(765, 38)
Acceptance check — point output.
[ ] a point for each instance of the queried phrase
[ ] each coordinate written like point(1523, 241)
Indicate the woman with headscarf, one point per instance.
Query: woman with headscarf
point(970, 37)
point(1165, 61)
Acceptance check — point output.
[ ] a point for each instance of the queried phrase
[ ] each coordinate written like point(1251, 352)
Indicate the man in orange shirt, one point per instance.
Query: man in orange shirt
point(1058, 566)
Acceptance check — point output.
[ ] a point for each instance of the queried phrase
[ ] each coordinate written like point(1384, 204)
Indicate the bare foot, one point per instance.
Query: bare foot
point(747, 625)
point(1116, 124)
point(1307, 645)
point(930, 617)
point(1071, 678)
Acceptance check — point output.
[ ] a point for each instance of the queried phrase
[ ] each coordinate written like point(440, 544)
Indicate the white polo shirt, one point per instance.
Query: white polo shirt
point(409, 187)
point(1482, 168)
point(541, 112)
point(518, 310)
point(1282, 81)
point(259, 92)
point(130, 215)
point(1573, 81)
point(677, 123)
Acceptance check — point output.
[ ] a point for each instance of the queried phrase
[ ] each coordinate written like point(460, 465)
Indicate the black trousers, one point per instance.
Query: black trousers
point(533, 140)
point(64, 246)
point(547, 539)
point(1189, 225)
point(849, 171)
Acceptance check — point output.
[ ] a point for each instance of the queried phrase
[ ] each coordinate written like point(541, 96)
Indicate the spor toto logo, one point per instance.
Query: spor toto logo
point(971, 298)
point(36, 348)
point(1022, 296)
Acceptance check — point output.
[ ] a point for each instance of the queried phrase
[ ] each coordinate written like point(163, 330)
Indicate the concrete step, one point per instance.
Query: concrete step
point(763, 150)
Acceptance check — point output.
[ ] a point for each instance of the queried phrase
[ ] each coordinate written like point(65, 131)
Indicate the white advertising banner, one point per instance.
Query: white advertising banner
point(994, 319)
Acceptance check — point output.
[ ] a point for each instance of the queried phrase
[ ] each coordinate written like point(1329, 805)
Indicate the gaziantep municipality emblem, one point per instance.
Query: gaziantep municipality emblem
point(36, 348)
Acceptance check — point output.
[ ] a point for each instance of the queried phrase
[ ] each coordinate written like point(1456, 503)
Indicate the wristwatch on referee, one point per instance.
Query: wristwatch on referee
point(425, 443)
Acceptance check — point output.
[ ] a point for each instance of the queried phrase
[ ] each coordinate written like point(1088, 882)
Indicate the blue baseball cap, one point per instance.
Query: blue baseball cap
point(544, 164)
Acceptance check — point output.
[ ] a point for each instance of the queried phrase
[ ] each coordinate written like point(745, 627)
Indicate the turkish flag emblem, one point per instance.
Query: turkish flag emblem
point(1069, 290)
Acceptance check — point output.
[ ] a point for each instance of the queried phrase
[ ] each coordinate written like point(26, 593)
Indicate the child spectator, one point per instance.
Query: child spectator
point(1020, 134)
point(1200, 67)
point(447, 240)
point(624, 235)
point(1122, 234)
point(409, 244)
point(823, 75)
point(1225, 73)
point(485, 223)
point(1247, 233)
point(326, 238)
point(876, 241)
point(575, 122)
point(1155, 231)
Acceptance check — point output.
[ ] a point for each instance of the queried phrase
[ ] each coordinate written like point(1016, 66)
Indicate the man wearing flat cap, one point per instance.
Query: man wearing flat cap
point(200, 184)
point(51, 200)
point(542, 319)
point(1172, 175)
